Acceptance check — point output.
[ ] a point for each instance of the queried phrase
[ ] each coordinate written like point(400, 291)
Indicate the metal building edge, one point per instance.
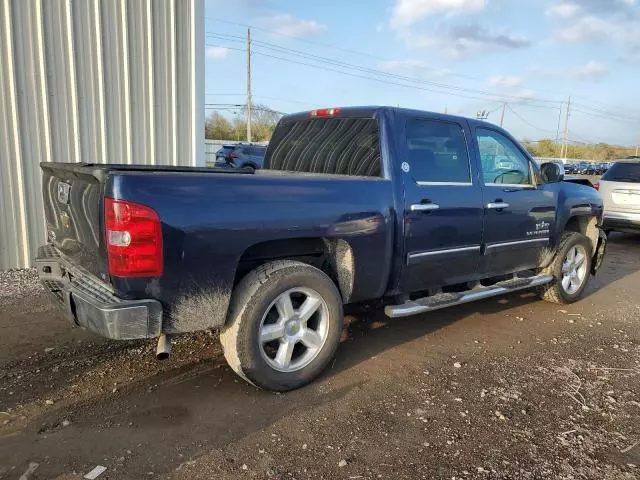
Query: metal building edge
point(108, 80)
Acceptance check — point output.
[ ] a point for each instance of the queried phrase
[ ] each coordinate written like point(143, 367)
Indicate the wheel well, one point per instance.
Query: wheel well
point(586, 225)
point(333, 256)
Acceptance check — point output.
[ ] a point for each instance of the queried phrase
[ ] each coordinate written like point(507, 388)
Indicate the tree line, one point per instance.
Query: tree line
point(599, 152)
point(263, 122)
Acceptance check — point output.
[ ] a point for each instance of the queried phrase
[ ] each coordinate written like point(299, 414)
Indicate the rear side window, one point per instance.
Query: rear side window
point(342, 146)
point(437, 152)
point(623, 172)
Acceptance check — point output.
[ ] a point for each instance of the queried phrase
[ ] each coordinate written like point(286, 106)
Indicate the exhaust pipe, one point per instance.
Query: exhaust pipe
point(163, 350)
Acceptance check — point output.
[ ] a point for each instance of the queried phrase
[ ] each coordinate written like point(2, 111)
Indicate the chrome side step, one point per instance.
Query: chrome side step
point(443, 300)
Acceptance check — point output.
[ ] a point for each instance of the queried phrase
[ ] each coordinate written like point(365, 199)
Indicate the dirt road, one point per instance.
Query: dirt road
point(506, 388)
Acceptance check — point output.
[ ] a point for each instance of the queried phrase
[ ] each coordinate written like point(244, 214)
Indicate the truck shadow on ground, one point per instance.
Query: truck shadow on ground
point(183, 410)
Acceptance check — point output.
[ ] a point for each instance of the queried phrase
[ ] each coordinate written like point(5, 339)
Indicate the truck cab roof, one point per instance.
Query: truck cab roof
point(371, 111)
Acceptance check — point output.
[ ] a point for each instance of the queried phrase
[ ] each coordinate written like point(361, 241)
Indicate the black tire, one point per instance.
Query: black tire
point(251, 300)
point(555, 292)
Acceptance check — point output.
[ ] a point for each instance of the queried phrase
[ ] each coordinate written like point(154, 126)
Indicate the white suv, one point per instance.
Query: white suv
point(620, 190)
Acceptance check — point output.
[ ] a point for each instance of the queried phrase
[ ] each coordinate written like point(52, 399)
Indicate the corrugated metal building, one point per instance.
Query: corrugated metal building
point(118, 81)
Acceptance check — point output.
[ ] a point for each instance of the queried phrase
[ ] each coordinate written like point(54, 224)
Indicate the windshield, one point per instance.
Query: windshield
point(623, 172)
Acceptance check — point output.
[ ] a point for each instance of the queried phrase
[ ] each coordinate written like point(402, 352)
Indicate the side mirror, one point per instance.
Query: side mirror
point(552, 172)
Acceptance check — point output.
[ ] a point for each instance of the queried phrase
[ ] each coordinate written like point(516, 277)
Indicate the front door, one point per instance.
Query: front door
point(443, 206)
point(519, 213)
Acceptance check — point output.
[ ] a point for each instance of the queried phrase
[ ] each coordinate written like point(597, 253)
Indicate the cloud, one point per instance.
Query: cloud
point(505, 81)
point(401, 64)
point(414, 68)
point(464, 40)
point(216, 53)
point(590, 70)
point(616, 21)
point(287, 24)
point(408, 12)
point(525, 95)
point(563, 10)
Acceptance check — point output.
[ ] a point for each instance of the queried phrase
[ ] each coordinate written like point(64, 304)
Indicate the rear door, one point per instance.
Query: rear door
point(519, 214)
point(443, 205)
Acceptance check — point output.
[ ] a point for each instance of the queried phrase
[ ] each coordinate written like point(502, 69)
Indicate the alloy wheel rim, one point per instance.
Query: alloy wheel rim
point(293, 329)
point(574, 269)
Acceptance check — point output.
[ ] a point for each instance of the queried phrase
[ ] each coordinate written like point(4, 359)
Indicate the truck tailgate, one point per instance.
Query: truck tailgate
point(73, 196)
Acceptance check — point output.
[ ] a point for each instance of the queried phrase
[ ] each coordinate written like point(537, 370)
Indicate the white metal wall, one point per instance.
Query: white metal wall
point(119, 81)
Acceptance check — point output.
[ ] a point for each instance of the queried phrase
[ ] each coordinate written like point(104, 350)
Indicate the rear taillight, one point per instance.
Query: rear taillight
point(325, 112)
point(134, 239)
point(596, 185)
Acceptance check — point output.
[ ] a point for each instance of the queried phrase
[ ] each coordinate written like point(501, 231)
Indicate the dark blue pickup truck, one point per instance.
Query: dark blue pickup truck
point(415, 210)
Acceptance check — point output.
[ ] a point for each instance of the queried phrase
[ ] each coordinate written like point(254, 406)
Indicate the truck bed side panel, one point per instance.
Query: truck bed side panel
point(210, 220)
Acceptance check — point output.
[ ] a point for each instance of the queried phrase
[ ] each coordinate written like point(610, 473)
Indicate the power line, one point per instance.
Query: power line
point(526, 121)
point(317, 58)
point(376, 57)
point(613, 117)
point(384, 74)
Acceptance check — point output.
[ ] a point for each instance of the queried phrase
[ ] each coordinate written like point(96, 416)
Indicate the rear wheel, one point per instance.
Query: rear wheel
point(284, 325)
point(570, 268)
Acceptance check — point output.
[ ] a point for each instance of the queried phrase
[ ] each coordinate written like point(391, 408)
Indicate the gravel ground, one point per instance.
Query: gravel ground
point(19, 283)
point(511, 387)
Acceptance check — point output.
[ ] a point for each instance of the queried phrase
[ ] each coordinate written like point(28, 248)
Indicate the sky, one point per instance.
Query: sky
point(459, 56)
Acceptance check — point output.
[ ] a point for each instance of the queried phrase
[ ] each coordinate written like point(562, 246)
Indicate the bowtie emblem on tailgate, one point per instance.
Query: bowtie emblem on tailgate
point(63, 192)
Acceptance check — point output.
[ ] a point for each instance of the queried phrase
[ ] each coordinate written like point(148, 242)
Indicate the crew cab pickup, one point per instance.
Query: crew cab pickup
point(412, 210)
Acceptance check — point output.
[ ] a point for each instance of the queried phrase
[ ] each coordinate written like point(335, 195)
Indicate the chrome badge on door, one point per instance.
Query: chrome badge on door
point(63, 192)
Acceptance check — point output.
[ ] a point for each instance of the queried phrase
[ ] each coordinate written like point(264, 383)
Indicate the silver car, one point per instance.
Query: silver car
point(620, 190)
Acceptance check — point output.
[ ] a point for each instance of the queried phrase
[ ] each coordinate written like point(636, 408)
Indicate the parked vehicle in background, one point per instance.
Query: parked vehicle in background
point(414, 210)
point(620, 191)
point(221, 155)
point(241, 155)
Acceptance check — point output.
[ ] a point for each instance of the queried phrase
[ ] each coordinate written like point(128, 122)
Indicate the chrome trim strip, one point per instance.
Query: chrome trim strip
point(429, 253)
point(413, 307)
point(519, 242)
point(627, 191)
point(450, 184)
point(622, 215)
point(512, 185)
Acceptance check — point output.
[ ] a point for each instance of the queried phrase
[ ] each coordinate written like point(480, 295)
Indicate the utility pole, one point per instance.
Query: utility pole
point(559, 122)
point(565, 145)
point(248, 85)
point(504, 105)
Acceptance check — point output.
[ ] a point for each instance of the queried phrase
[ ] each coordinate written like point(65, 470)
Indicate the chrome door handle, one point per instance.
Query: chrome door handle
point(497, 205)
point(424, 207)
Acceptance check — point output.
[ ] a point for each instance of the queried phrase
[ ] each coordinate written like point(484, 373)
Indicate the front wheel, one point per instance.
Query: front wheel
point(284, 325)
point(570, 268)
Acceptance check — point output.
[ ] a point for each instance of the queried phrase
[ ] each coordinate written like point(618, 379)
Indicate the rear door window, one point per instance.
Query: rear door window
point(343, 146)
point(437, 152)
point(623, 172)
